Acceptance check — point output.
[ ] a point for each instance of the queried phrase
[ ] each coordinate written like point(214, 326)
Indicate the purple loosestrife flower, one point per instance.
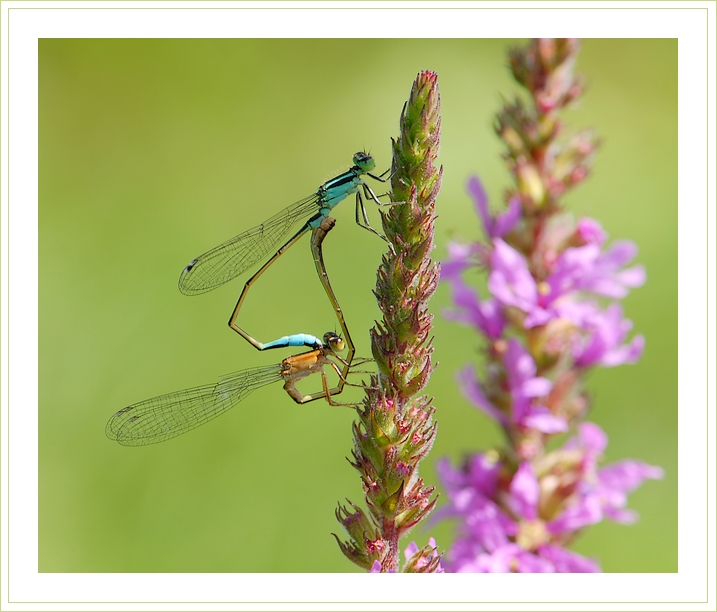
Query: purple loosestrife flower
point(523, 522)
point(470, 309)
point(604, 332)
point(523, 388)
point(577, 270)
point(547, 319)
point(498, 226)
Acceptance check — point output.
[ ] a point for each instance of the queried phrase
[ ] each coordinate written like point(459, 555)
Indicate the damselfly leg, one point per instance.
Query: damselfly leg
point(232, 320)
point(317, 238)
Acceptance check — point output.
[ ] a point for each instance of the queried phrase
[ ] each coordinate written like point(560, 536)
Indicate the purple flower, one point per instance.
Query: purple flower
point(525, 490)
point(512, 284)
point(617, 480)
point(471, 491)
point(591, 232)
point(501, 224)
point(486, 529)
point(504, 529)
point(469, 309)
point(460, 257)
point(576, 269)
point(602, 345)
point(523, 387)
point(471, 389)
point(566, 561)
point(586, 510)
point(525, 493)
point(480, 473)
point(487, 542)
point(586, 268)
point(602, 492)
point(507, 558)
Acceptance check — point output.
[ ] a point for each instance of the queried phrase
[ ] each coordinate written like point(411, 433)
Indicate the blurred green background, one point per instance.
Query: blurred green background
point(153, 151)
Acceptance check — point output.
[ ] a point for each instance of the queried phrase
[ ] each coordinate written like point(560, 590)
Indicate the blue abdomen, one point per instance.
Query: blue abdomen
point(294, 340)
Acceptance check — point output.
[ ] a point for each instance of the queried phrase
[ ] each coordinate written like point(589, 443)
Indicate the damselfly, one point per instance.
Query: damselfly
point(231, 258)
point(164, 417)
point(317, 239)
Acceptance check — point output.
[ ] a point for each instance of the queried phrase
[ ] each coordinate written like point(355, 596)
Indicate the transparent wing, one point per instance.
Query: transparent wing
point(234, 256)
point(164, 417)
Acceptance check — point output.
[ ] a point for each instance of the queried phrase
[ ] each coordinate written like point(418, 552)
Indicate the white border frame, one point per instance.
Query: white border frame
point(22, 587)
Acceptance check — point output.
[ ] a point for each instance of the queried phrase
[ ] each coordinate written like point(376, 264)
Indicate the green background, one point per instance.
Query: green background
point(153, 151)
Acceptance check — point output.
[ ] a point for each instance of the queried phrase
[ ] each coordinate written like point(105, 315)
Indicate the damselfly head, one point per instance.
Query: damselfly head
point(364, 162)
point(334, 342)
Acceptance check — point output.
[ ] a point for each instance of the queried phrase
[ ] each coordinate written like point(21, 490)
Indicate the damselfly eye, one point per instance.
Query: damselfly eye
point(364, 161)
point(334, 341)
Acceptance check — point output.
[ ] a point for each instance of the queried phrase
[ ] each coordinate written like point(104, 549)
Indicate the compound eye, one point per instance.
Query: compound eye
point(334, 341)
point(364, 161)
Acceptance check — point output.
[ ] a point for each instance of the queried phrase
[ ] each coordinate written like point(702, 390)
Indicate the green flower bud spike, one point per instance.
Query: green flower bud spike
point(395, 427)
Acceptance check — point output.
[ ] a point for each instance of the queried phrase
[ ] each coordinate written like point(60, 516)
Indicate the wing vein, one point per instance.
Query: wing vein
point(166, 416)
point(229, 259)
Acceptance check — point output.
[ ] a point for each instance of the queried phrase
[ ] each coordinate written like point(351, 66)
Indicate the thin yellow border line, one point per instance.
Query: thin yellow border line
point(324, 603)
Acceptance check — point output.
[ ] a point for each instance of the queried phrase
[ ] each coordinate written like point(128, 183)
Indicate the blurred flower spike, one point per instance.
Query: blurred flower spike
point(522, 519)
point(549, 315)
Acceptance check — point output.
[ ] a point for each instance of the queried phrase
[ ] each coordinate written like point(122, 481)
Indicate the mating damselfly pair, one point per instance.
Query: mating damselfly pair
point(166, 416)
